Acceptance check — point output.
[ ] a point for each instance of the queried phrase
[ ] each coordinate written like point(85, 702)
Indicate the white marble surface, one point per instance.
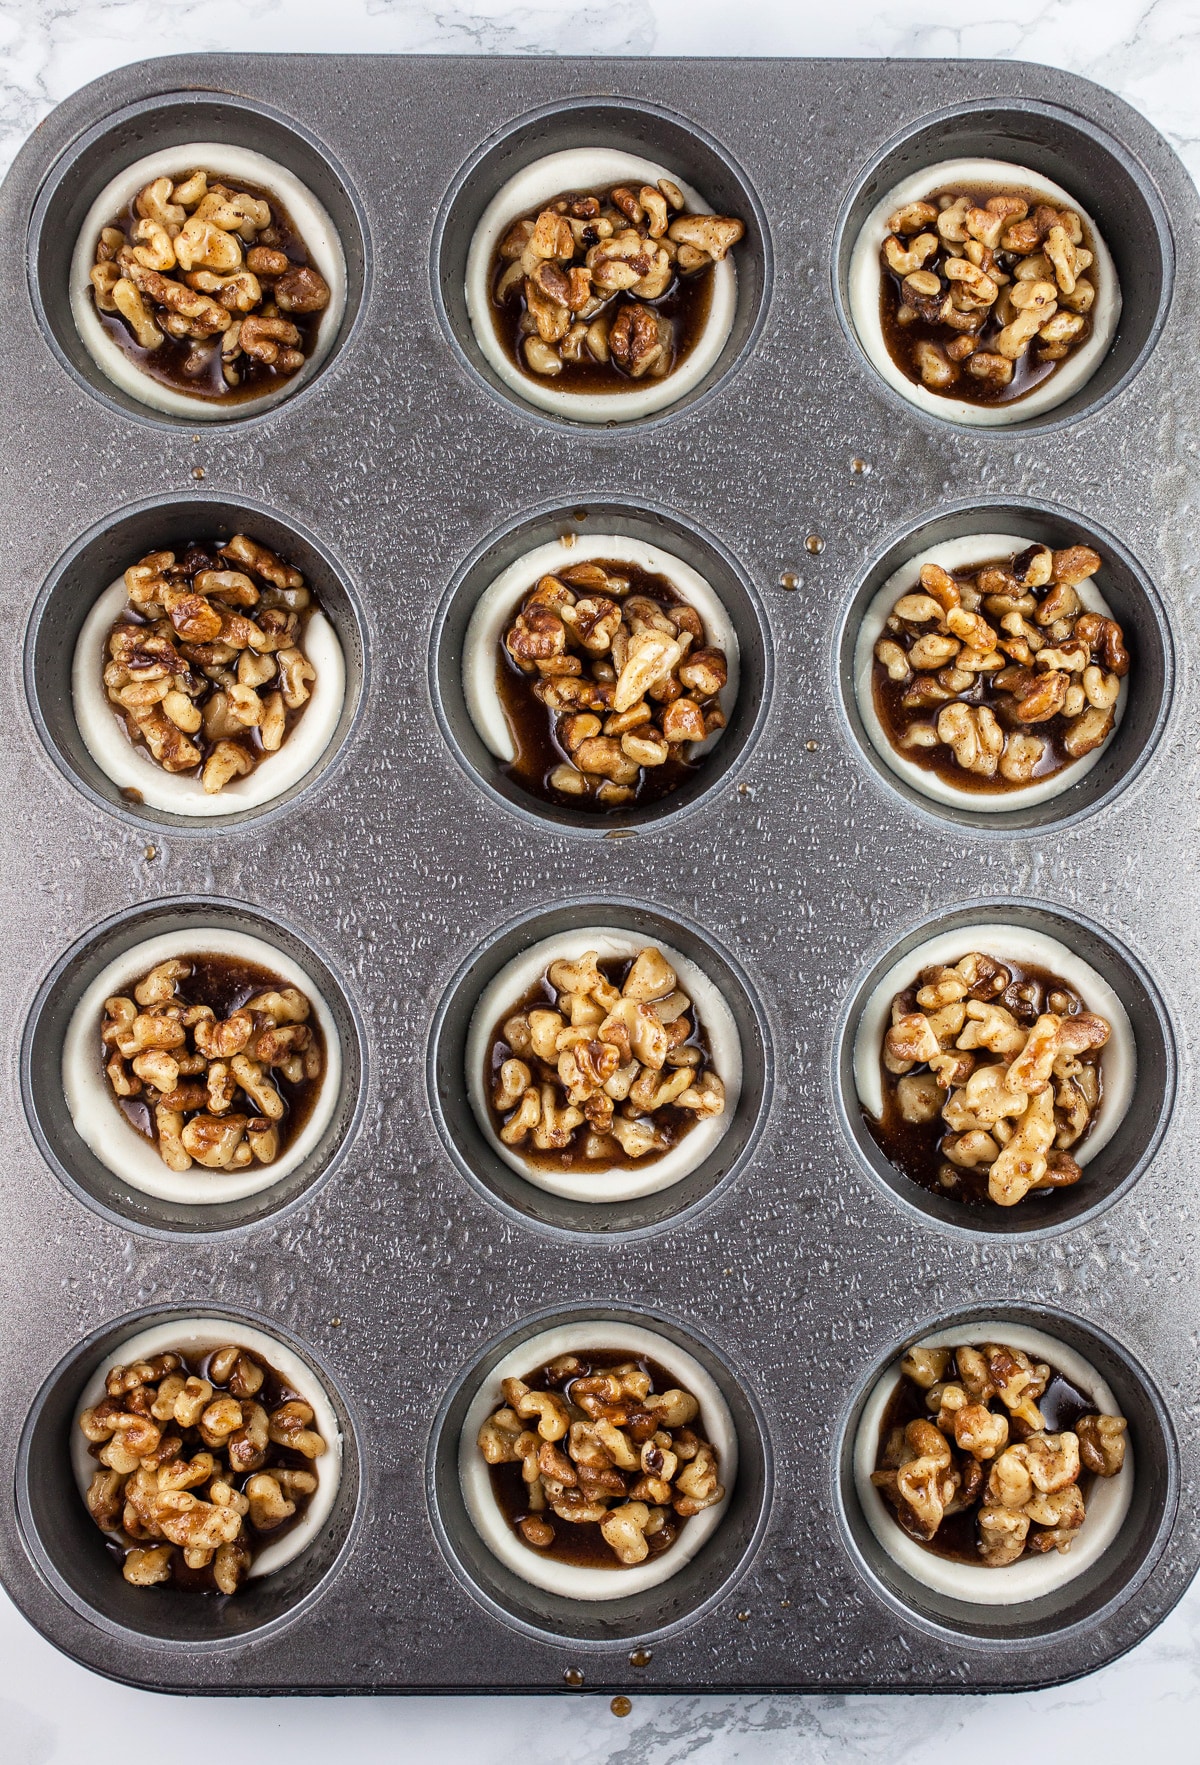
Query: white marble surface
point(54, 1713)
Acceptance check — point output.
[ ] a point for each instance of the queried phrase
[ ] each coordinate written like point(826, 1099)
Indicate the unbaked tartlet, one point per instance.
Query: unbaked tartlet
point(992, 1463)
point(202, 1066)
point(989, 671)
point(207, 680)
point(207, 1453)
point(602, 1067)
point(992, 1064)
point(207, 281)
point(600, 670)
point(982, 292)
point(600, 287)
point(597, 1459)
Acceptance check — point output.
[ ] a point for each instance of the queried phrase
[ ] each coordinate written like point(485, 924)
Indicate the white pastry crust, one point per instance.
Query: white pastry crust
point(589, 168)
point(101, 1124)
point(568, 1579)
point(864, 292)
point(605, 1182)
point(498, 604)
point(951, 555)
point(196, 1336)
point(219, 159)
point(1030, 1577)
point(131, 766)
point(1016, 944)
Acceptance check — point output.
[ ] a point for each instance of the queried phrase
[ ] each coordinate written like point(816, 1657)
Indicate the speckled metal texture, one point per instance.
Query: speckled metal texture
point(803, 1272)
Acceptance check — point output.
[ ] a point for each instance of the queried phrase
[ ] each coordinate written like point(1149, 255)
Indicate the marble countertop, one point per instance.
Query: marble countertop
point(53, 1712)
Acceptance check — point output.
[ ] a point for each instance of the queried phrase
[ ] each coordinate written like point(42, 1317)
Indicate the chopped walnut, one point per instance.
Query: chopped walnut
point(208, 286)
point(996, 1076)
point(205, 667)
point(606, 1065)
point(607, 1447)
point(984, 293)
point(975, 1439)
point(1102, 1443)
point(626, 677)
point(222, 1092)
point(591, 279)
point(194, 1451)
point(1002, 665)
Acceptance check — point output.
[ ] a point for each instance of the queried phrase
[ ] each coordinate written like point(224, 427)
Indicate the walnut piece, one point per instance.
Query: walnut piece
point(205, 664)
point(599, 1446)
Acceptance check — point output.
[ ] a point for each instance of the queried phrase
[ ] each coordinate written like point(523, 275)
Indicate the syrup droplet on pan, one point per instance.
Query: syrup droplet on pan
point(640, 1658)
point(573, 1675)
point(620, 1706)
point(860, 467)
point(814, 544)
point(743, 1617)
point(789, 580)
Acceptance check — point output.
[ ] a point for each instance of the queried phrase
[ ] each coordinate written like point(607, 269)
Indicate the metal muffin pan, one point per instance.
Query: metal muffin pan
point(404, 1266)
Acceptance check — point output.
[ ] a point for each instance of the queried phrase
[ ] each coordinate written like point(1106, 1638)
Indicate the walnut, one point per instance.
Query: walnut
point(169, 676)
point(1102, 1443)
point(1025, 1491)
point(926, 1366)
point(301, 289)
point(1002, 1535)
point(637, 341)
point(616, 1455)
point(1011, 1116)
point(578, 275)
point(613, 1058)
point(197, 1118)
point(627, 677)
point(272, 341)
point(993, 266)
point(179, 271)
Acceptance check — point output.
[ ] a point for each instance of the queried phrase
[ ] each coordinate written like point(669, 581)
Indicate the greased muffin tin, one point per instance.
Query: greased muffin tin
point(402, 1259)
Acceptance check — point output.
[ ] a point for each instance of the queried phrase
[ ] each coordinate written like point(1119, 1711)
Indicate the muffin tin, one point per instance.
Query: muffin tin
point(401, 1260)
